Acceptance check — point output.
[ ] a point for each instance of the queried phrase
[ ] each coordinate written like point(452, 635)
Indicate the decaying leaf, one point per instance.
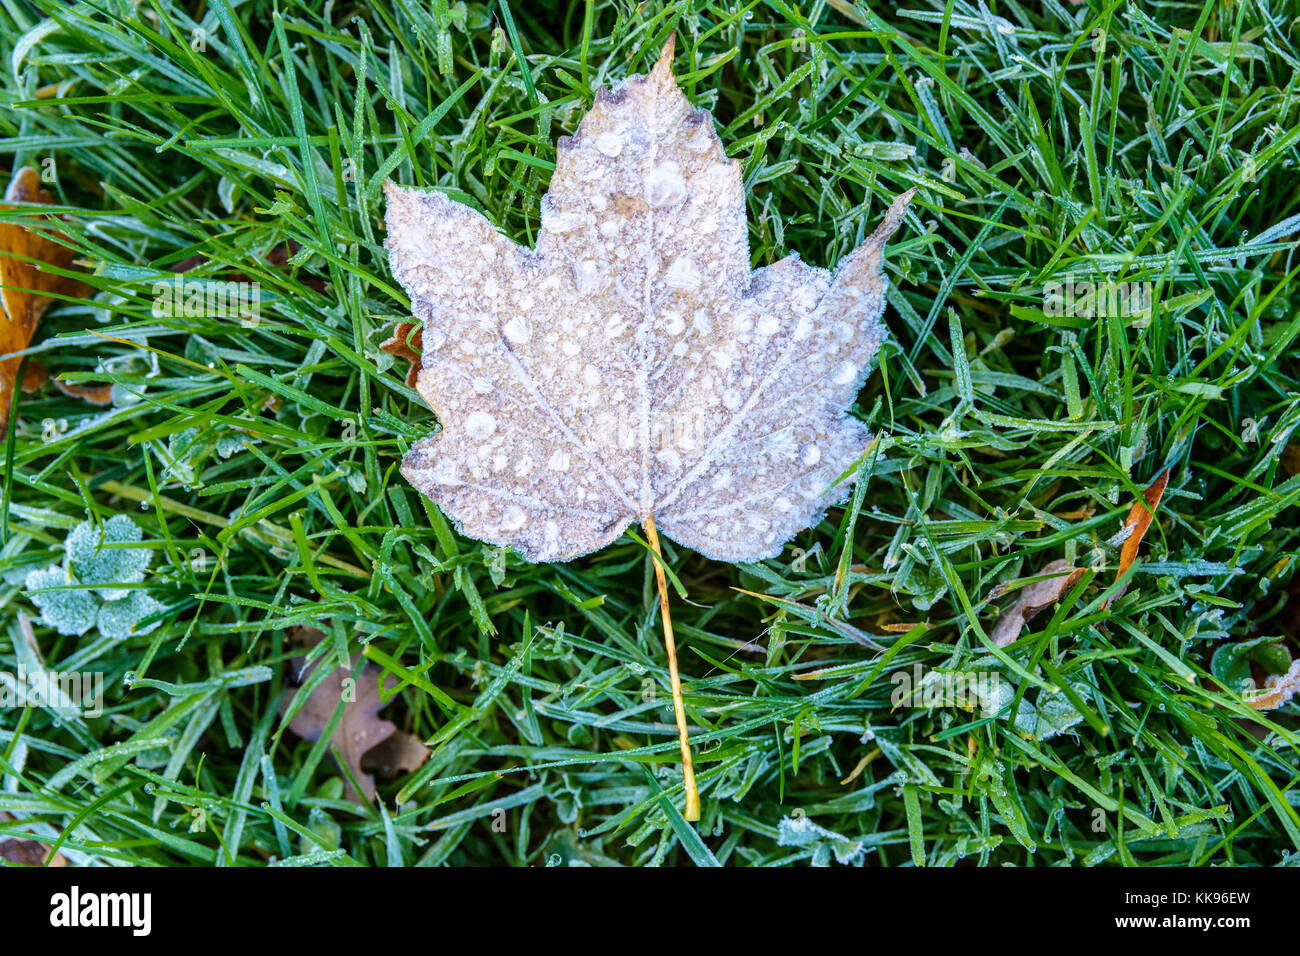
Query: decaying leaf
point(16, 850)
point(632, 366)
point(1278, 689)
point(1033, 599)
point(27, 289)
point(404, 344)
point(361, 739)
point(1291, 459)
point(95, 394)
point(1137, 523)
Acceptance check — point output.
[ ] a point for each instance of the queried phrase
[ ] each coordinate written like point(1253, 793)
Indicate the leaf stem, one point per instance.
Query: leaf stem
point(688, 770)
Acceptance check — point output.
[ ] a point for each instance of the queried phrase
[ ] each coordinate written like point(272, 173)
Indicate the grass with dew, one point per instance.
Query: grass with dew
point(1053, 145)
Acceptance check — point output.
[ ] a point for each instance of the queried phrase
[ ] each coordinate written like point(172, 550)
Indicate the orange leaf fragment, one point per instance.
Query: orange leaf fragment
point(1278, 689)
point(405, 345)
point(1291, 459)
point(1138, 521)
point(16, 850)
point(95, 394)
point(27, 290)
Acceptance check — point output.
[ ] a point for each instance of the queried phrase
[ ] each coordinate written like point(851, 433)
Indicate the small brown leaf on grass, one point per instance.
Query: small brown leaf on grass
point(405, 345)
point(27, 852)
point(1033, 599)
point(1138, 521)
point(1291, 459)
point(23, 852)
point(27, 290)
point(361, 738)
point(95, 394)
point(1278, 689)
point(400, 753)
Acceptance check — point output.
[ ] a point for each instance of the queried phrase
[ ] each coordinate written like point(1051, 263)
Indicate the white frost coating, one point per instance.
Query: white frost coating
point(683, 274)
point(480, 425)
point(632, 364)
point(611, 144)
point(664, 185)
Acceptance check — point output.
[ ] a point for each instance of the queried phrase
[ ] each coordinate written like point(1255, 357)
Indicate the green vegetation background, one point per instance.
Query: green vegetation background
point(1125, 142)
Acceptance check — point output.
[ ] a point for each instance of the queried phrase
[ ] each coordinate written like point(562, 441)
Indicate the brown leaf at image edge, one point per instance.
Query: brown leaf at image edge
point(28, 291)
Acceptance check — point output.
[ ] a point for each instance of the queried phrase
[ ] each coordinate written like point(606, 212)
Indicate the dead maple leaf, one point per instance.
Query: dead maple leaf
point(1138, 521)
point(632, 367)
point(1033, 599)
point(360, 738)
point(403, 344)
point(27, 289)
point(1278, 689)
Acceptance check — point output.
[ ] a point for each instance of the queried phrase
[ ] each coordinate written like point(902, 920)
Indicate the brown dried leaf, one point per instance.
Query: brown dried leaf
point(94, 394)
point(403, 344)
point(1291, 459)
point(401, 753)
point(632, 365)
point(23, 852)
point(27, 290)
point(361, 737)
point(1033, 599)
point(27, 852)
point(34, 376)
point(1278, 689)
point(1139, 520)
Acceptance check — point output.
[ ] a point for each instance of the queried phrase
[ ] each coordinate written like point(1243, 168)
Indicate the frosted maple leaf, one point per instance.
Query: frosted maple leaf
point(632, 365)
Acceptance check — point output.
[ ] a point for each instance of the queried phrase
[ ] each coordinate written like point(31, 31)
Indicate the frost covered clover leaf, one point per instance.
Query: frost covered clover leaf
point(95, 561)
point(799, 831)
point(121, 618)
point(69, 612)
point(89, 562)
point(632, 366)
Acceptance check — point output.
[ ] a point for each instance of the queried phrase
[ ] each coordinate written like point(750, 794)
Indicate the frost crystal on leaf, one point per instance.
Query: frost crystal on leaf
point(69, 612)
point(799, 831)
point(632, 364)
point(121, 618)
point(94, 560)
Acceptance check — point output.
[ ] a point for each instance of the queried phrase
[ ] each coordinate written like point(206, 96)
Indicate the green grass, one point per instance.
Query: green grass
point(1143, 142)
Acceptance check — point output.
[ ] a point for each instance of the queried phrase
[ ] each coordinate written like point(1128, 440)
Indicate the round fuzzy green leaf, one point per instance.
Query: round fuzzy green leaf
point(121, 618)
point(68, 612)
point(97, 558)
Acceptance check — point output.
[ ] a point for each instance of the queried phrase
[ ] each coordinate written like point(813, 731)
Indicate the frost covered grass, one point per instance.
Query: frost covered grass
point(1094, 283)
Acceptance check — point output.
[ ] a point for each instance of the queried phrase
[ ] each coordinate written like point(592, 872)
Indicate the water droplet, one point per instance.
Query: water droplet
point(664, 185)
point(517, 331)
point(611, 144)
point(480, 425)
point(514, 518)
point(683, 274)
